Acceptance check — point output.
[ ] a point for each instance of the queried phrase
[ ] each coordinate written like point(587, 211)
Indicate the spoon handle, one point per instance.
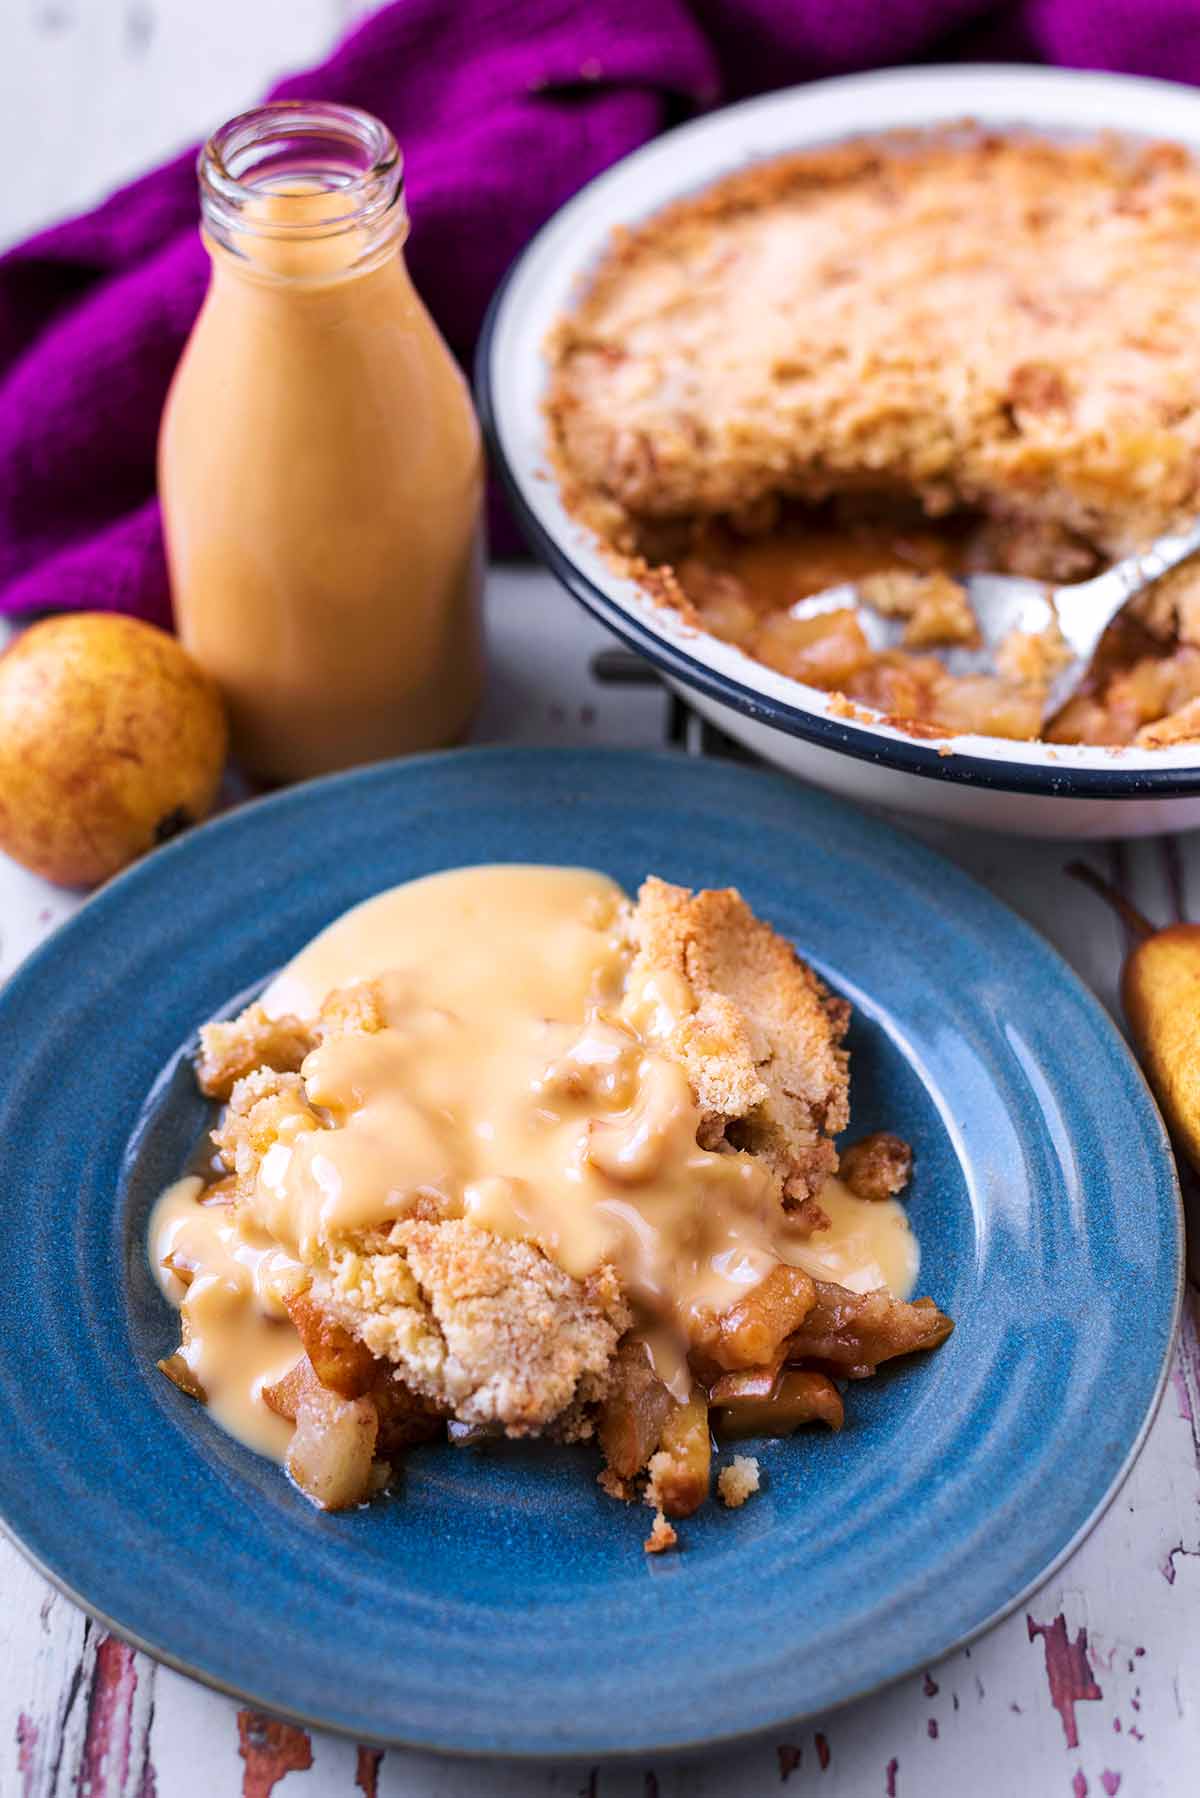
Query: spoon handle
point(1085, 611)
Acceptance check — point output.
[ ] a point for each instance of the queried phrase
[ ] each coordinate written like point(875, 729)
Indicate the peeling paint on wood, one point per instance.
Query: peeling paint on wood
point(1185, 1372)
point(27, 1738)
point(366, 1771)
point(789, 1760)
point(271, 1750)
point(108, 1742)
point(1068, 1671)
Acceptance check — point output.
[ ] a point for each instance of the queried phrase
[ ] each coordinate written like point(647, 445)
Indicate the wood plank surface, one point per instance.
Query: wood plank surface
point(1093, 1687)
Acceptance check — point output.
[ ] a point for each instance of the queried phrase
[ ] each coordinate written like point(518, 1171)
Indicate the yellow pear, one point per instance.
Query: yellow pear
point(1160, 996)
point(111, 740)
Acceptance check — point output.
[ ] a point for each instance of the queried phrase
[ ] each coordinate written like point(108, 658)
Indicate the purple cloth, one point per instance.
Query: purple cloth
point(503, 108)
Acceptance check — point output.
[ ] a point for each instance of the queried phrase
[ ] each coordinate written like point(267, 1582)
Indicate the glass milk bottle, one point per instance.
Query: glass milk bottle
point(320, 465)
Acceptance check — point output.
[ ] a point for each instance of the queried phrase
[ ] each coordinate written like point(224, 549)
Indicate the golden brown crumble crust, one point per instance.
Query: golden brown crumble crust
point(762, 1047)
point(661, 1536)
point(232, 1049)
point(738, 1482)
point(982, 320)
point(935, 608)
point(490, 1328)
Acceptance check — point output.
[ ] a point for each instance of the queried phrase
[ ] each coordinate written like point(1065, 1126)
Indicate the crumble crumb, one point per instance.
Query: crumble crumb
point(936, 609)
point(359, 1007)
point(877, 1166)
point(661, 1536)
point(261, 1105)
point(1033, 658)
point(736, 1482)
point(236, 1047)
point(838, 706)
point(668, 1482)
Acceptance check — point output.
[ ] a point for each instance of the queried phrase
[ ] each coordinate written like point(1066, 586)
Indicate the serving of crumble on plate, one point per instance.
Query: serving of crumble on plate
point(564, 1167)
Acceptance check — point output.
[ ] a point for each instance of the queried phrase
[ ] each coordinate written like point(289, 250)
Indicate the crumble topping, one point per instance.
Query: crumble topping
point(229, 1051)
point(661, 1536)
point(489, 1328)
point(982, 320)
point(738, 1482)
point(936, 608)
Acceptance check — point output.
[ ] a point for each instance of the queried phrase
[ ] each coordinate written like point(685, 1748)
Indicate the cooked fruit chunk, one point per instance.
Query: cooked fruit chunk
point(877, 1167)
point(798, 1396)
point(405, 1419)
point(748, 1385)
point(854, 1331)
point(339, 1360)
point(181, 1375)
point(332, 1450)
point(679, 1471)
point(750, 1332)
point(283, 1396)
point(634, 1412)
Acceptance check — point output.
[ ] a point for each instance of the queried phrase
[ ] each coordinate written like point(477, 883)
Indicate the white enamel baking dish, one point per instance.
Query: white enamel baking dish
point(1023, 787)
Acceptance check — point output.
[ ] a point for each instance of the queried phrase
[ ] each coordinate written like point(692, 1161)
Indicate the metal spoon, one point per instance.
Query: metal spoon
point(1004, 603)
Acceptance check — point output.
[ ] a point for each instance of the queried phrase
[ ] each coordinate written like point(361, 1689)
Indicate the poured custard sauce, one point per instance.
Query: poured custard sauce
point(521, 1078)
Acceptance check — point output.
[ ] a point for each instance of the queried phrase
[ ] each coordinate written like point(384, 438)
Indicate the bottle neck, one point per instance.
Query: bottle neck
point(302, 194)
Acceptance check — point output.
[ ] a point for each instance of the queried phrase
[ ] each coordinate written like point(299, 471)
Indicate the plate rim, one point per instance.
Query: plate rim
point(109, 897)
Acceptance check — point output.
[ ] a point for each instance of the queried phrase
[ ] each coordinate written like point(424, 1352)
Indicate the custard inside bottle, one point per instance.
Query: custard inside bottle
point(320, 464)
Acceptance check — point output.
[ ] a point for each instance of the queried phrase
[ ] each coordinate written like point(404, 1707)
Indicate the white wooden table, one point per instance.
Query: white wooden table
point(1092, 1688)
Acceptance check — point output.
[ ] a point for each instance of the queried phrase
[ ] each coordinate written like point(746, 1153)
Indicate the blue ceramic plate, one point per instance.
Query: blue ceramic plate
point(500, 1604)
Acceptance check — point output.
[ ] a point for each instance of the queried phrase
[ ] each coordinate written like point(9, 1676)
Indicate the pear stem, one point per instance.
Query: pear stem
point(1130, 916)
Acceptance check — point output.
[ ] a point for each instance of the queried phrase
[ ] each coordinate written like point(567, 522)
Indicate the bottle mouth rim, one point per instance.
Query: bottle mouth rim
point(351, 154)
